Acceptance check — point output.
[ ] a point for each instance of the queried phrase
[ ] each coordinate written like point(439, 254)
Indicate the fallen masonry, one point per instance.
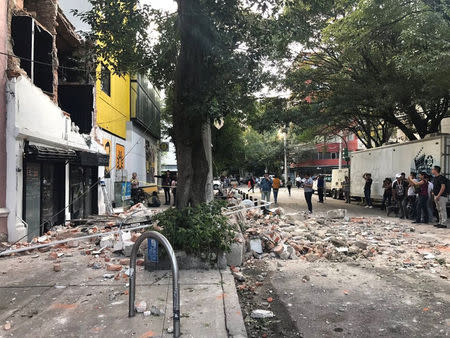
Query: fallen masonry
point(335, 237)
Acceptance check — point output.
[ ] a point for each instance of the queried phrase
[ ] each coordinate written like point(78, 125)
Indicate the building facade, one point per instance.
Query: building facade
point(128, 117)
point(324, 156)
point(52, 165)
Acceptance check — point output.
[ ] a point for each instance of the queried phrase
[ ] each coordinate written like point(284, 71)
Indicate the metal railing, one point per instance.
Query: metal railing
point(175, 287)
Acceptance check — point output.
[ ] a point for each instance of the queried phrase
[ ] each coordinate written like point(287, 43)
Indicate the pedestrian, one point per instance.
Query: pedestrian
point(308, 190)
point(276, 184)
point(134, 188)
point(399, 189)
point(320, 187)
point(422, 185)
point(289, 185)
point(166, 185)
point(387, 193)
point(367, 189)
point(266, 187)
point(173, 184)
point(440, 195)
point(298, 181)
point(411, 202)
point(154, 202)
point(346, 189)
point(430, 203)
point(251, 184)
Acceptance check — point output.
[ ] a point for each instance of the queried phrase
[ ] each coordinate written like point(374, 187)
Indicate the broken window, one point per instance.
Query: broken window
point(105, 79)
point(34, 46)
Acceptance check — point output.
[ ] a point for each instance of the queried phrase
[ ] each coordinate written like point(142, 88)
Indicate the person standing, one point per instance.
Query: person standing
point(266, 186)
point(422, 185)
point(367, 189)
point(289, 185)
point(134, 188)
point(430, 203)
point(276, 184)
point(251, 184)
point(411, 198)
point(166, 185)
point(320, 187)
point(298, 181)
point(346, 189)
point(173, 184)
point(308, 190)
point(399, 189)
point(440, 195)
point(387, 193)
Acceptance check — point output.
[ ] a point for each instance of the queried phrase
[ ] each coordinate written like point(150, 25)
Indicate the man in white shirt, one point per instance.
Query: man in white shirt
point(430, 201)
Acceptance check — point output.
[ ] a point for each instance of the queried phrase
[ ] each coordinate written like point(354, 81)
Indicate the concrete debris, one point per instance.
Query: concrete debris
point(262, 314)
point(155, 311)
point(113, 267)
point(256, 246)
point(56, 267)
point(140, 306)
point(336, 237)
point(108, 275)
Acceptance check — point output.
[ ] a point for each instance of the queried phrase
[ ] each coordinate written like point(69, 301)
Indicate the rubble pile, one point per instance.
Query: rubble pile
point(335, 237)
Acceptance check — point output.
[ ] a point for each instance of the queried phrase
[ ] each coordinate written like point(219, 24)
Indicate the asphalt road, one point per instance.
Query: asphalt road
point(296, 202)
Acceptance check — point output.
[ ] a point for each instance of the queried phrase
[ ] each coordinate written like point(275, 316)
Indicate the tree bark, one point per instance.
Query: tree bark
point(191, 124)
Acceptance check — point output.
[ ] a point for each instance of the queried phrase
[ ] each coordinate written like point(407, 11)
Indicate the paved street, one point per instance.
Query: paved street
point(396, 293)
point(296, 202)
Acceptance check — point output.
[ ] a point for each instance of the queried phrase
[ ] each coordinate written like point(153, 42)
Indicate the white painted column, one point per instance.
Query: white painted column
point(67, 191)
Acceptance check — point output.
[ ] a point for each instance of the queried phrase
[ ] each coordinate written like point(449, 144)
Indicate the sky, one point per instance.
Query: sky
point(83, 5)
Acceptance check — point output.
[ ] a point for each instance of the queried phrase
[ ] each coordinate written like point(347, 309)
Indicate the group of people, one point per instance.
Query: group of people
point(169, 184)
point(414, 197)
point(268, 185)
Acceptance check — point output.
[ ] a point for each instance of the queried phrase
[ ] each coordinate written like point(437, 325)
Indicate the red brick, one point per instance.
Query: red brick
point(113, 267)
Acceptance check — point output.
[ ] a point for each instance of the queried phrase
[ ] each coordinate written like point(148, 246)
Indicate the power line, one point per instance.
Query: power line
point(92, 186)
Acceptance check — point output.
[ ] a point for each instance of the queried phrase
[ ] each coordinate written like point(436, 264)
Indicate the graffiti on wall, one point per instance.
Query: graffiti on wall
point(423, 162)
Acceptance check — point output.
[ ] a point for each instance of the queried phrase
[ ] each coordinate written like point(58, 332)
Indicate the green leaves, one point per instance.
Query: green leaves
point(199, 230)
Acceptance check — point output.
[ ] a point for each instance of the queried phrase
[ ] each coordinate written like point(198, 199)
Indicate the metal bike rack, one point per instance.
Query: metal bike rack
point(176, 289)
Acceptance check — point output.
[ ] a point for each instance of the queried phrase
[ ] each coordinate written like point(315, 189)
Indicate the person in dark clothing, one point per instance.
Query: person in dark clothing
point(154, 201)
point(252, 184)
point(399, 190)
point(289, 185)
point(320, 187)
point(166, 184)
point(440, 195)
point(422, 185)
point(387, 194)
point(346, 189)
point(367, 189)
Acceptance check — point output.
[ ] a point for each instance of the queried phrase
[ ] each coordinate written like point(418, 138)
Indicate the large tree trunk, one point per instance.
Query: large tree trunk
point(191, 123)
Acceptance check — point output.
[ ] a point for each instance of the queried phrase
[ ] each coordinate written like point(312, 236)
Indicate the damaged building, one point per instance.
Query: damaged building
point(54, 155)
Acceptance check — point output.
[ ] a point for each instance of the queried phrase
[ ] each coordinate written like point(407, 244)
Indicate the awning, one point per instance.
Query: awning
point(41, 153)
point(93, 159)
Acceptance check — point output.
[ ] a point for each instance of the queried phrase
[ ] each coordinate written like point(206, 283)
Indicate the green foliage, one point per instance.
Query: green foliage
point(379, 66)
point(202, 229)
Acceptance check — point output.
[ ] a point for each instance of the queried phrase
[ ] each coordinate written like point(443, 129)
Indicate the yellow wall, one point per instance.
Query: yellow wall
point(114, 111)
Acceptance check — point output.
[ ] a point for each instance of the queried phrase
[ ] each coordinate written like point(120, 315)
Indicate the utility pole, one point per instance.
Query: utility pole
point(340, 152)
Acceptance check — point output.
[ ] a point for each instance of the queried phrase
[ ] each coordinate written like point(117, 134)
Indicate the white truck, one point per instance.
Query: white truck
point(388, 160)
point(337, 178)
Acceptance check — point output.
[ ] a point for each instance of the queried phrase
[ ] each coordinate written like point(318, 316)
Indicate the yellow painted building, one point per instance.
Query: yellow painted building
point(128, 115)
point(113, 101)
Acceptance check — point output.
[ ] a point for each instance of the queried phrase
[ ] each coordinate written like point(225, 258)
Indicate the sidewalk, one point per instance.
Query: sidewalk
point(80, 301)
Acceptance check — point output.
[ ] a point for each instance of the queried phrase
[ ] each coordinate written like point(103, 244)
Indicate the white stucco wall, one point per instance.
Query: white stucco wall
point(32, 116)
